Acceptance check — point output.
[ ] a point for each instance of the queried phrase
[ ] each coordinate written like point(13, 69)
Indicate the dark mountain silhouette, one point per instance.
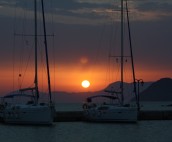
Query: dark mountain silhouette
point(79, 97)
point(161, 90)
point(65, 97)
point(128, 89)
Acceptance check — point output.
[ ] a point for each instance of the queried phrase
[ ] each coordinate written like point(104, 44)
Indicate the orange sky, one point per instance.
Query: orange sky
point(85, 33)
point(69, 79)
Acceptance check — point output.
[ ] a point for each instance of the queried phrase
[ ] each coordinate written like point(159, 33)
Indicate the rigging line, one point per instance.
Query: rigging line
point(101, 42)
point(116, 69)
point(25, 45)
point(122, 50)
point(108, 71)
point(41, 55)
point(131, 51)
point(21, 45)
point(22, 51)
point(23, 38)
point(42, 70)
point(46, 51)
point(113, 67)
point(111, 37)
point(36, 50)
point(113, 31)
point(53, 51)
point(115, 41)
point(109, 54)
point(99, 46)
point(24, 72)
point(14, 46)
point(54, 65)
point(112, 72)
point(43, 66)
point(109, 43)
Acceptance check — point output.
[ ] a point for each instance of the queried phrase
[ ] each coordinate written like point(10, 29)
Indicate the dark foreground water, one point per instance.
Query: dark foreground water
point(144, 131)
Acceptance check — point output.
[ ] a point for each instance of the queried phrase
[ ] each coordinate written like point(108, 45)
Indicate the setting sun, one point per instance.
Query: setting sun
point(85, 84)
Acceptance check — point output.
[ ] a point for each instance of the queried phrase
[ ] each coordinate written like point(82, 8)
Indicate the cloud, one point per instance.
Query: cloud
point(96, 1)
point(155, 5)
point(93, 12)
point(7, 3)
point(150, 10)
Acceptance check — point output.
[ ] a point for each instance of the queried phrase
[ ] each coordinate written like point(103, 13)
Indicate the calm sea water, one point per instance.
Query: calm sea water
point(143, 131)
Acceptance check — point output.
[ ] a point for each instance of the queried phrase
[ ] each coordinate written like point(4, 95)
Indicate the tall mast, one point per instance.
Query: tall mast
point(131, 53)
point(122, 53)
point(46, 50)
point(36, 49)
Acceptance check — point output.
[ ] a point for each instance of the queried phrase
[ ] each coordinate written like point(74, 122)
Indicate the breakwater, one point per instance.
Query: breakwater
point(64, 116)
point(155, 115)
point(70, 116)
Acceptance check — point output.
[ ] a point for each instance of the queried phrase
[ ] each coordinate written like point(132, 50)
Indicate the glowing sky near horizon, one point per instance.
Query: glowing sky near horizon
point(83, 30)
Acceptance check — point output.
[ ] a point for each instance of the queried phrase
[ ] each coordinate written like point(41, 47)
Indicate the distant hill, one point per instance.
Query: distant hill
point(161, 90)
point(73, 97)
point(65, 97)
point(128, 89)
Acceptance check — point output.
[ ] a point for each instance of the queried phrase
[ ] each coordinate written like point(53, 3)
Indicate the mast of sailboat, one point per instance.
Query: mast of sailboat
point(122, 53)
point(131, 53)
point(46, 50)
point(36, 50)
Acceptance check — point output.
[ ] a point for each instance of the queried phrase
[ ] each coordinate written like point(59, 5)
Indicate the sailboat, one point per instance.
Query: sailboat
point(32, 112)
point(114, 110)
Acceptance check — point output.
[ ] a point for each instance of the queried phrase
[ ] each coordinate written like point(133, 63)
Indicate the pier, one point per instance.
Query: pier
point(155, 115)
point(69, 116)
point(144, 115)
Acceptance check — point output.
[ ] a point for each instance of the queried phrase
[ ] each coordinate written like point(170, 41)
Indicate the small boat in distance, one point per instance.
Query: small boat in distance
point(31, 112)
point(114, 110)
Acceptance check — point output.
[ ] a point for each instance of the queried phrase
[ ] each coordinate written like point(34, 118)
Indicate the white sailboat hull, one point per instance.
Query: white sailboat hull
point(28, 114)
point(111, 114)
